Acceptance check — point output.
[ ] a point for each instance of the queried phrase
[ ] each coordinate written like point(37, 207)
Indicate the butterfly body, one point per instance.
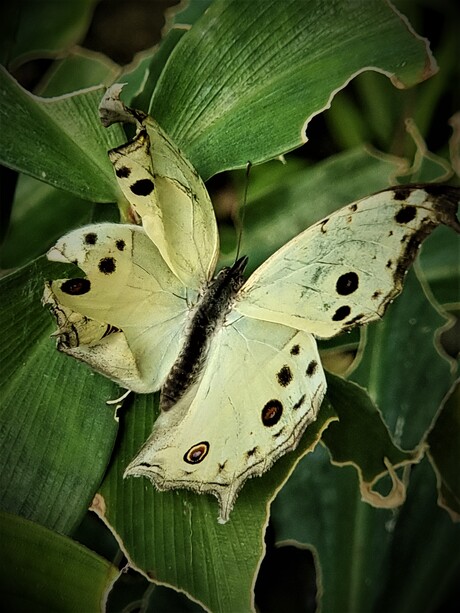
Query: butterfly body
point(237, 362)
point(209, 313)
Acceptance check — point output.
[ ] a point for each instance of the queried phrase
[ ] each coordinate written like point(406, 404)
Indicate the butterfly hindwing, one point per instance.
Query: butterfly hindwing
point(230, 427)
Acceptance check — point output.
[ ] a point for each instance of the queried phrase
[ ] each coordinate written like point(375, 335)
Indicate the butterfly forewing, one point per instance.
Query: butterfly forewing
point(344, 270)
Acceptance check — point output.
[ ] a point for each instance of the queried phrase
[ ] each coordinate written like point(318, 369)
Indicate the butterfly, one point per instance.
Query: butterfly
point(236, 360)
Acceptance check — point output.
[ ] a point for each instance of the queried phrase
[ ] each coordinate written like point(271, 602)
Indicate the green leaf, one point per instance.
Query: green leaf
point(35, 29)
point(56, 432)
point(42, 571)
point(262, 69)
point(439, 260)
point(320, 507)
point(444, 453)
point(40, 215)
point(214, 564)
point(60, 141)
point(422, 564)
point(80, 69)
point(361, 438)
point(401, 367)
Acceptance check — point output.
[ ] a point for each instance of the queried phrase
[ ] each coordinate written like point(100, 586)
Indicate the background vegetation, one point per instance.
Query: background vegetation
point(238, 83)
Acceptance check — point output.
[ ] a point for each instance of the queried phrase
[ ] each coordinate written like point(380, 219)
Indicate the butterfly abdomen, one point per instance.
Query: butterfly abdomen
point(209, 313)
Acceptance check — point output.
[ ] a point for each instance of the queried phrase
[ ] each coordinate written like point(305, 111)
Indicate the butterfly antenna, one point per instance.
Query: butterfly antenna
point(240, 219)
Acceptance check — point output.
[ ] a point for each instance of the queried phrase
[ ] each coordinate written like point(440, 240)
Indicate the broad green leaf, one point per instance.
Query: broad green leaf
point(40, 215)
point(42, 571)
point(320, 506)
point(31, 28)
point(422, 564)
point(80, 69)
point(440, 263)
point(60, 141)
point(401, 366)
point(261, 70)
point(444, 453)
point(361, 438)
point(214, 564)
point(370, 559)
point(56, 432)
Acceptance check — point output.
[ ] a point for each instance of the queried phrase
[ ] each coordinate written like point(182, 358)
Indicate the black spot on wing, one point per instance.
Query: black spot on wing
point(90, 238)
point(123, 172)
point(107, 265)
point(341, 313)
point(401, 193)
point(353, 207)
point(295, 350)
point(271, 413)
point(120, 244)
point(347, 283)
point(76, 287)
point(142, 187)
point(376, 294)
point(311, 368)
point(251, 452)
point(284, 376)
point(406, 214)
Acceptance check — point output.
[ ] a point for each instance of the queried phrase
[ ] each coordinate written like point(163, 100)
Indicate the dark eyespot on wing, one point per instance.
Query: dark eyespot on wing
point(284, 376)
point(299, 402)
point(406, 214)
point(197, 453)
point(107, 265)
point(295, 350)
point(90, 238)
point(76, 287)
point(311, 368)
point(271, 413)
point(341, 313)
point(347, 283)
point(142, 187)
point(120, 244)
point(123, 172)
